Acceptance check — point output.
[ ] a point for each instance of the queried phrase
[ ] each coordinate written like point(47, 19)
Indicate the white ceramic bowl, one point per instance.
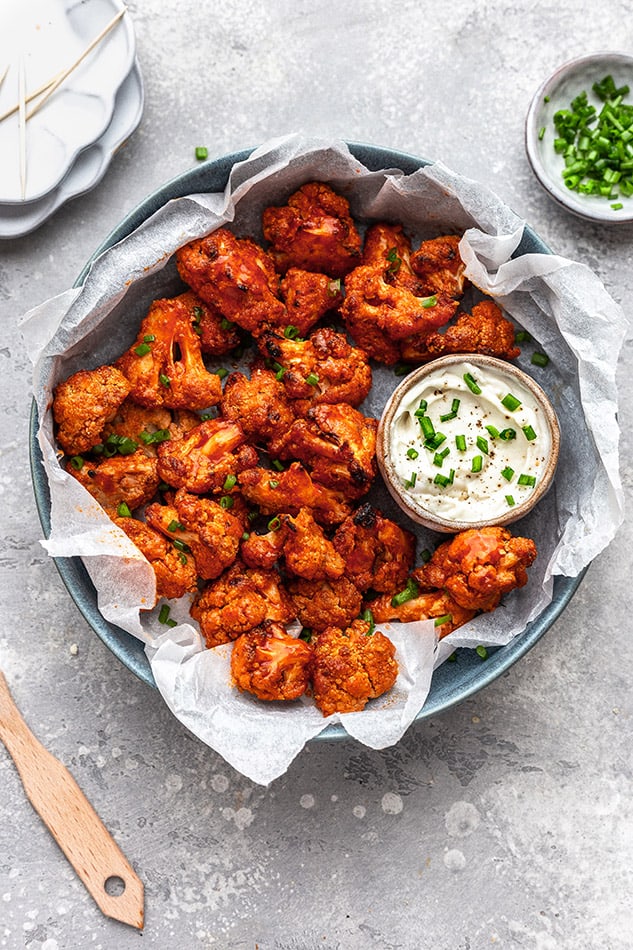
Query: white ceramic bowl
point(474, 499)
point(556, 93)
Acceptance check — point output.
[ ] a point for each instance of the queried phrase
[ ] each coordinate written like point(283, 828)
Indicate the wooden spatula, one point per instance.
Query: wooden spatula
point(70, 818)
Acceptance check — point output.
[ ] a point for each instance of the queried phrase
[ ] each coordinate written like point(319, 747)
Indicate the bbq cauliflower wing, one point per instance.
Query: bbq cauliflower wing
point(430, 605)
point(351, 667)
point(175, 572)
point(289, 491)
point(313, 231)
point(84, 403)
point(123, 479)
point(259, 404)
point(484, 330)
point(206, 456)
point(478, 566)
point(320, 604)
point(164, 366)
point(378, 553)
point(271, 664)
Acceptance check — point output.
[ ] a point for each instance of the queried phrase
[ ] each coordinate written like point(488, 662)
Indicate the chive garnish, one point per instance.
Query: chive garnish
point(439, 621)
point(460, 443)
point(175, 526)
point(410, 482)
point(180, 545)
point(409, 593)
point(428, 429)
point(539, 359)
point(226, 502)
point(142, 349)
point(412, 454)
point(472, 383)
point(291, 332)
point(77, 462)
point(164, 380)
point(368, 617)
point(312, 379)
point(510, 402)
point(510, 500)
point(529, 433)
point(163, 616)
point(202, 153)
point(428, 302)
point(273, 483)
point(123, 510)
point(229, 482)
point(274, 524)
point(529, 480)
point(276, 464)
point(482, 444)
point(508, 434)
point(507, 473)
point(481, 652)
point(221, 372)
point(493, 432)
point(477, 463)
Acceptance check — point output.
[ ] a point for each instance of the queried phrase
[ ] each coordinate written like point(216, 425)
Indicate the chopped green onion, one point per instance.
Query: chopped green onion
point(229, 482)
point(541, 133)
point(507, 473)
point(274, 524)
point(409, 593)
point(481, 652)
point(423, 405)
point(252, 515)
point(312, 379)
point(472, 383)
point(442, 480)
point(291, 332)
point(428, 302)
point(163, 616)
point(368, 617)
point(175, 526)
point(529, 480)
point(202, 153)
point(123, 510)
point(482, 444)
point(493, 431)
point(510, 402)
point(529, 433)
point(539, 359)
point(142, 349)
point(395, 261)
point(510, 500)
point(305, 635)
point(182, 557)
point(246, 535)
point(460, 443)
point(149, 338)
point(198, 314)
point(452, 658)
point(522, 336)
point(435, 441)
point(508, 434)
point(428, 429)
point(425, 556)
point(412, 454)
point(226, 502)
point(164, 380)
point(401, 369)
point(273, 483)
point(410, 482)
point(276, 464)
point(440, 621)
point(152, 438)
point(180, 545)
point(477, 463)
point(221, 372)
point(77, 462)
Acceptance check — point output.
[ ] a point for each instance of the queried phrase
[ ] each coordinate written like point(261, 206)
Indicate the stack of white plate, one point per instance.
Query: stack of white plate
point(64, 149)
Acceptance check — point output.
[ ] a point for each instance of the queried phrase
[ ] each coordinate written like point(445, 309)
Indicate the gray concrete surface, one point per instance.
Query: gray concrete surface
point(505, 822)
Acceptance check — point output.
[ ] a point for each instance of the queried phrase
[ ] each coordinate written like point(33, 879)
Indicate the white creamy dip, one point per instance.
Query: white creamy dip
point(491, 456)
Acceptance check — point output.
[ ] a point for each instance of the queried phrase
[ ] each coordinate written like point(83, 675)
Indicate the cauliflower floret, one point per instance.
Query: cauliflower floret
point(431, 605)
point(314, 231)
point(199, 526)
point(485, 330)
point(271, 664)
point(206, 456)
point(288, 491)
point(123, 479)
point(439, 266)
point(378, 553)
point(240, 599)
point(478, 566)
point(259, 404)
point(175, 571)
point(308, 297)
point(217, 334)
point(351, 666)
point(325, 368)
point(237, 277)
point(320, 604)
point(338, 445)
point(164, 365)
point(84, 403)
point(147, 427)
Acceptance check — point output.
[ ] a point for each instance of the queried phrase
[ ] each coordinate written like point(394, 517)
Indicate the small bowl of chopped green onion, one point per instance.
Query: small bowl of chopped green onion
point(579, 137)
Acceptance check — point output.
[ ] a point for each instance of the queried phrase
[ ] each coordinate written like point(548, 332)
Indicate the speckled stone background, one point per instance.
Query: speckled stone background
point(505, 822)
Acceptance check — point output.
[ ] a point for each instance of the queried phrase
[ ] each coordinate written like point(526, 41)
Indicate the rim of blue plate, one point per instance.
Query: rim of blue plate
point(452, 683)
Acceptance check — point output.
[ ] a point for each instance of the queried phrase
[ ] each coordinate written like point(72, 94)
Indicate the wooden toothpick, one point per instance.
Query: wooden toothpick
point(48, 88)
point(22, 124)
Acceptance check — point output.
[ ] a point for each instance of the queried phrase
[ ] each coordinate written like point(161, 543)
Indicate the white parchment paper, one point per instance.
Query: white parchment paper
point(560, 303)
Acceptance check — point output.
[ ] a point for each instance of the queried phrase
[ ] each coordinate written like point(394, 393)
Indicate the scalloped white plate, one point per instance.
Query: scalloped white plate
point(48, 36)
point(88, 169)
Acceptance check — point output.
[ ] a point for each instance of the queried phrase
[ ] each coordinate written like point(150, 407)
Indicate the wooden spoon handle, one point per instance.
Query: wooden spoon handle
point(70, 817)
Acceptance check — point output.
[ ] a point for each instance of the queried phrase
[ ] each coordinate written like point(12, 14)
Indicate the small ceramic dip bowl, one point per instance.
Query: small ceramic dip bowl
point(467, 441)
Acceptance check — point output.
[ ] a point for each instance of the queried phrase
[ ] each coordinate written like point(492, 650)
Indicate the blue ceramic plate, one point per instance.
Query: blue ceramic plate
point(452, 682)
